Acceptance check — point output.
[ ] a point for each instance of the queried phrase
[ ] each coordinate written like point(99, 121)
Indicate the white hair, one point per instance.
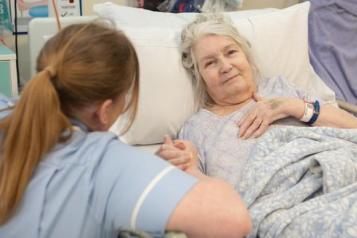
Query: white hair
point(209, 24)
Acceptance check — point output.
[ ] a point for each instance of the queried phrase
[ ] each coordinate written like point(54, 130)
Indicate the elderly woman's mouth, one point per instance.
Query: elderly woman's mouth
point(229, 79)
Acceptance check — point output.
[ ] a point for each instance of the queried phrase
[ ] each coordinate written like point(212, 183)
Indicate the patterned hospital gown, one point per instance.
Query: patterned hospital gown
point(222, 154)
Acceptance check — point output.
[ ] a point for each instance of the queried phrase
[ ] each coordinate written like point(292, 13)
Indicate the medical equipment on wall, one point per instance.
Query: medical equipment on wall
point(66, 8)
point(5, 19)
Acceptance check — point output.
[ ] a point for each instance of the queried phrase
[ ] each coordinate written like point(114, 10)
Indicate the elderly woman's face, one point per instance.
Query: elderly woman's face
point(225, 69)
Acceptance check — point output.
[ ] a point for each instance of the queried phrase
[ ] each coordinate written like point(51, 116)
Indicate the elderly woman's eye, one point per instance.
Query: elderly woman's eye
point(231, 52)
point(209, 63)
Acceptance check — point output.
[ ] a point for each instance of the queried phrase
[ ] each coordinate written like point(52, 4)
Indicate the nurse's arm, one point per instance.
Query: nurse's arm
point(212, 208)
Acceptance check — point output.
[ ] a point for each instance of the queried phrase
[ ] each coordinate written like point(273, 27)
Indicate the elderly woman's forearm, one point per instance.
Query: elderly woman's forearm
point(293, 107)
point(329, 115)
point(335, 117)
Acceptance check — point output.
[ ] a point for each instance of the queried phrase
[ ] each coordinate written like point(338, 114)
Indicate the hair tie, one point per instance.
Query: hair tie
point(51, 71)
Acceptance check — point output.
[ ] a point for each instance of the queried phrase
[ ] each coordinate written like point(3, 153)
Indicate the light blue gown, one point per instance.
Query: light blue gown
point(94, 186)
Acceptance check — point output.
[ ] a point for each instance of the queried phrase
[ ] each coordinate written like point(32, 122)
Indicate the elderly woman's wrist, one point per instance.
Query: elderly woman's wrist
point(194, 171)
point(284, 107)
point(294, 107)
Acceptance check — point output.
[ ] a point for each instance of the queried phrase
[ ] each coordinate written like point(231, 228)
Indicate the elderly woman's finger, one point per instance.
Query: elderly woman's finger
point(252, 128)
point(170, 153)
point(180, 144)
point(164, 147)
point(168, 147)
point(180, 161)
point(187, 146)
point(246, 122)
point(176, 156)
point(261, 130)
point(183, 166)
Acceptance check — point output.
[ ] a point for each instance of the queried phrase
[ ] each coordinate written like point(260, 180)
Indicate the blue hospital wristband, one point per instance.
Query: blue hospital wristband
point(316, 113)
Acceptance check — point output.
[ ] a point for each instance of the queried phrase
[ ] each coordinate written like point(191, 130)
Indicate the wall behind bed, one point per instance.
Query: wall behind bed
point(254, 4)
point(24, 56)
point(24, 51)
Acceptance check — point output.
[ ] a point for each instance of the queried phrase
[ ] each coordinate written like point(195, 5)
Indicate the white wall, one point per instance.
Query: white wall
point(247, 4)
point(253, 4)
point(87, 4)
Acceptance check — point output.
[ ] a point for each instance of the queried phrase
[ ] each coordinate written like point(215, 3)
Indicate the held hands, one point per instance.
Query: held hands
point(257, 120)
point(180, 153)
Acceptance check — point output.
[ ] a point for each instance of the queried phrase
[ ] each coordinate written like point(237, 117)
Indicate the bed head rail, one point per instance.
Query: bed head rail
point(40, 29)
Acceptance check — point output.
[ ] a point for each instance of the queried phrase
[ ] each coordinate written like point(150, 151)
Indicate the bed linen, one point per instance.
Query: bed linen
point(332, 27)
point(302, 182)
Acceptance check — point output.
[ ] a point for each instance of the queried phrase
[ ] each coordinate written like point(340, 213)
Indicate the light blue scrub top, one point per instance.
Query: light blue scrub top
point(94, 186)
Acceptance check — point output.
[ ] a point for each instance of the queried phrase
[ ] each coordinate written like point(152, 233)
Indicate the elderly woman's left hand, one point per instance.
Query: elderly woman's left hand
point(257, 120)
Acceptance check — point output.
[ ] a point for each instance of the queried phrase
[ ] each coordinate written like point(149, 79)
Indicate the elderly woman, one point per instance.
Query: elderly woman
point(236, 104)
point(291, 181)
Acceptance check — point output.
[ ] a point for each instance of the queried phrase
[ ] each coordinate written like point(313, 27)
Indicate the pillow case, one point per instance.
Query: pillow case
point(279, 46)
point(165, 93)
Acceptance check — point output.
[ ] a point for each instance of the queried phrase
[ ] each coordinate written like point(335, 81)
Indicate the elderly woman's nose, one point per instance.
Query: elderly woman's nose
point(226, 66)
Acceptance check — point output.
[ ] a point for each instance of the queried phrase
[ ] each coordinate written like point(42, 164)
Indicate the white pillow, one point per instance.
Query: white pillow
point(279, 45)
point(166, 95)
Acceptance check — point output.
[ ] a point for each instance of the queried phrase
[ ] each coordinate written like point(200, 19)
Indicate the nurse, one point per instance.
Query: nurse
point(63, 175)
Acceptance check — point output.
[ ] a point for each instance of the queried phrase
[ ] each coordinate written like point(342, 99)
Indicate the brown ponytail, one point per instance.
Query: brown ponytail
point(31, 130)
point(81, 65)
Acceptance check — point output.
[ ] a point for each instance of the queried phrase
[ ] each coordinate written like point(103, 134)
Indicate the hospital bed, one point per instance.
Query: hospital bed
point(279, 45)
point(278, 39)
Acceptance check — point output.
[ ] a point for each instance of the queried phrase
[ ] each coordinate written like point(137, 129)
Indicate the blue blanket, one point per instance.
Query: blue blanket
point(333, 45)
point(302, 182)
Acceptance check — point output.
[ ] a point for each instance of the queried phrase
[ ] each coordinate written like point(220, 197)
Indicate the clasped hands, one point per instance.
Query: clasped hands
point(180, 153)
